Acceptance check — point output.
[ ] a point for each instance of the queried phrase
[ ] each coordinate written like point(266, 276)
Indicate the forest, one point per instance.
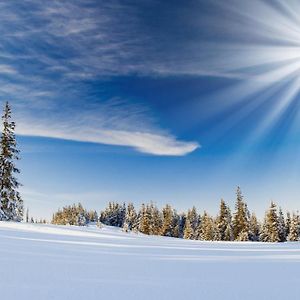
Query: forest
point(149, 219)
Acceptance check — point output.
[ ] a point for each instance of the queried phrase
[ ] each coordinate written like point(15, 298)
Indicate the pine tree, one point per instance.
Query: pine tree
point(287, 224)
point(207, 232)
point(254, 228)
point(294, 229)
point(130, 218)
point(137, 222)
point(157, 221)
point(281, 226)
point(11, 203)
point(223, 223)
point(193, 218)
point(188, 230)
point(181, 224)
point(167, 221)
point(145, 220)
point(240, 220)
point(270, 231)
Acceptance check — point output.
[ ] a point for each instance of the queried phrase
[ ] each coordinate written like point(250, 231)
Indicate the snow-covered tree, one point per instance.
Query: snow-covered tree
point(240, 219)
point(254, 228)
point(193, 218)
point(130, 218)
point(167, 225)
point(223, 223)
point(270, 230)
point(188, 230)
point(288, 224)
point(71, 215)
point(294, 229)
point(157, 220)
point(145, 221)
point(11, 203)
point(114, 214)
point(92, 216)
point(207, 232)
point(281, 226)
point(181, 224)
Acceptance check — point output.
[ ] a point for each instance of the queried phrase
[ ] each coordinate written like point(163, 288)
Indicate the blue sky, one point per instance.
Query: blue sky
point(163, 101)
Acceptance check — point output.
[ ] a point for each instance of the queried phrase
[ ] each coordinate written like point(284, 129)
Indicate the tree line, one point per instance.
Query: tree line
point(149, 219)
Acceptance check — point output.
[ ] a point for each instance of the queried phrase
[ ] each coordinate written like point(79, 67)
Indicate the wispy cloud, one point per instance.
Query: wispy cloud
point(150, 143)
point(49, 50)
point(5, 69)
point(113, 123)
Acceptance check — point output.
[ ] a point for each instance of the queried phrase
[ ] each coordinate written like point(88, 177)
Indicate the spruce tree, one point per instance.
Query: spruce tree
point(193, 217)
point(167, 225)
point(254, 228)
point(223, 223)
point(240, 220)
point(294, 229)
point(270, 231)
point(207, 232)
point(157, 221)
point(130, 218)
point(287, 224)
point(11, 203)
point(188, 230)
point(281, 226)
point(145, 220)
point(181, 224)
point(176, 225)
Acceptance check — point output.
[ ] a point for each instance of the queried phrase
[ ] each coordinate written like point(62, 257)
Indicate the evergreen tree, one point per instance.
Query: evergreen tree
point(81, 217)
point(223, 223)
point(167, 225)
point(113, 215)
point(281, 226)
point(254, 228)
point(270, 231)
point(137, 222)
point(207, 232)
point(71, 215)
point(194, 219)
point(130, 218)
point(145, 220)
point(181, 224)
point(92, 216)
point(188, 230)
point(11, 203)
point(287, 224)
point(240, 220)
point(294, 229)
point(157, 220)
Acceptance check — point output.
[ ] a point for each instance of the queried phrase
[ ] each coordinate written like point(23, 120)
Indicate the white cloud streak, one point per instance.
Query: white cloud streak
point(151, 143)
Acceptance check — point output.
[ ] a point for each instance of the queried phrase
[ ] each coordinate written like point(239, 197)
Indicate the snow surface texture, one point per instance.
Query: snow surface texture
point(64, 262)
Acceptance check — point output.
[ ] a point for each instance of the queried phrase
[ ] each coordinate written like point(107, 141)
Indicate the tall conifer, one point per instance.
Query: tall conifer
point(11, 203)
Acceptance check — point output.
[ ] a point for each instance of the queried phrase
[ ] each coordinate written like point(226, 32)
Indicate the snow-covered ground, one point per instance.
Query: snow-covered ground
point(60, 262)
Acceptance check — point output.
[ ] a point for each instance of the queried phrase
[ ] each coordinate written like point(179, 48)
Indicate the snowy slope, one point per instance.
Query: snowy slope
point(60, 262)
